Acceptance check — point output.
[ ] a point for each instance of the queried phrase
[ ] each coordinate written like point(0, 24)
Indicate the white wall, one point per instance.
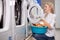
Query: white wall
point(57, 11)
point(57, 34)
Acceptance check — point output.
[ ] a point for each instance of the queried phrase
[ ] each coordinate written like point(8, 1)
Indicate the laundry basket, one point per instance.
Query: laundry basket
point(39, 30)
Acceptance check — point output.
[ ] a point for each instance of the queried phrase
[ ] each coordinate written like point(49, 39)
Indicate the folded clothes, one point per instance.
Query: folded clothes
point(40, 24)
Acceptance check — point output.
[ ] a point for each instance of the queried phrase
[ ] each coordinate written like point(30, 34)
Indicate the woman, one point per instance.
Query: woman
point(49, 21)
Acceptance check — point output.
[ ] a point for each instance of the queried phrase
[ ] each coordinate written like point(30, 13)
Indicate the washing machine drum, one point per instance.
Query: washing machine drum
point(35, 13)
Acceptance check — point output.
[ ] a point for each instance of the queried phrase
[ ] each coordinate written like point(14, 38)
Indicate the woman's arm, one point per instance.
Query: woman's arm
point(49, 22)
point(39, 25)
point(46, 23)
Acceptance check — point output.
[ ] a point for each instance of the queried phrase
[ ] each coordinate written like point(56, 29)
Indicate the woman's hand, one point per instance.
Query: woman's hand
point(38, 24)
point(46, 23)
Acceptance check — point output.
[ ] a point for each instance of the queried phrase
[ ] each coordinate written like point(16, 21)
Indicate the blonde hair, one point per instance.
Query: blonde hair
point(50, 5)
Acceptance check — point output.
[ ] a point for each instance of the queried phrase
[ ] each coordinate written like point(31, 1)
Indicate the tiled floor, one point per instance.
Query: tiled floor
point(32, 38)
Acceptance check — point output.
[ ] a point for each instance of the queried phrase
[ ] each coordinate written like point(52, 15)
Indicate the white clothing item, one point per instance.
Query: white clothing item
point(50, 18)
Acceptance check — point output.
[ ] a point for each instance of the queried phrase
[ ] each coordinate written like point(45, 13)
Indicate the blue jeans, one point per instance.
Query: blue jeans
point(42, 37)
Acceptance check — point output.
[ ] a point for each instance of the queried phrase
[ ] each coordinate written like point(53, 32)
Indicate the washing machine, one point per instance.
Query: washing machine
point(5, 22)
point(34, 14)
point(19, 11)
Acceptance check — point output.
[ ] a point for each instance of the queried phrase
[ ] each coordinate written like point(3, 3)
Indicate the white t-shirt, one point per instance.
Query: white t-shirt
point(50, 18)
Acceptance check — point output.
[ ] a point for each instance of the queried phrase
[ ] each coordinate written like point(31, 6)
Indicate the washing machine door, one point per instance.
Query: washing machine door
point(1, 14)
point(5, 22)
point(20, 28)
point(18, 12)
point(35, 13)
point(4, 16)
